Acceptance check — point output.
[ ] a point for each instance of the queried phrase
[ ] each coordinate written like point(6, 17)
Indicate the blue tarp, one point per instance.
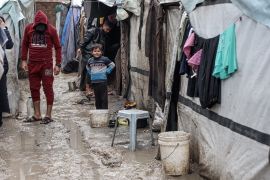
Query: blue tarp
point(68, 40)
point(257, 10)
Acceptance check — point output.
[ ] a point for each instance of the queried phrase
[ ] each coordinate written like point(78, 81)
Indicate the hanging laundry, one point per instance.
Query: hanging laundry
point(188, 45)
point(201, 53)
point(184, 68)
point(154, 48)
point(192, 90)
point(193, 59)
point(226, 58)
point(209, 87)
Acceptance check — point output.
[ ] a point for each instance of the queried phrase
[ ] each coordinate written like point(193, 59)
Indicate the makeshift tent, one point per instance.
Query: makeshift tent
point(14, 13)
point(231, 140)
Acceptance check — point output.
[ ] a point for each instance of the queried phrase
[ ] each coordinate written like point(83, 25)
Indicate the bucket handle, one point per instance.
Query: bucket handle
point(171, 152)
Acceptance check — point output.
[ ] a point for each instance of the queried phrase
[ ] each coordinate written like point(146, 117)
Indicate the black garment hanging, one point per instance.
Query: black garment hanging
point(204, 85)
point(209, 86)
point(184, 68)
point(154, 49)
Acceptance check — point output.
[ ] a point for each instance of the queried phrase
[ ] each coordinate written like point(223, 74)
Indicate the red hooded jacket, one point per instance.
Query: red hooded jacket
point(40, 45)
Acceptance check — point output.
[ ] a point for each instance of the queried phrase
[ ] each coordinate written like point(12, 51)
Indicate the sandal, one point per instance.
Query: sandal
point(32, 119)
point(46, 120)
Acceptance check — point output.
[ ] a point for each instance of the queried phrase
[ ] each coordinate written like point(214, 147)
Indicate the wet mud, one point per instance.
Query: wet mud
point(69, 148)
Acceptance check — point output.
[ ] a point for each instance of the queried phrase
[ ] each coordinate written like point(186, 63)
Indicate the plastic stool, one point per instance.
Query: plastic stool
point(133, 115)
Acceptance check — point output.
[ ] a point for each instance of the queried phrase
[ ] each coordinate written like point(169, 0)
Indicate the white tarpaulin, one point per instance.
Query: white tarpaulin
point(76, 3)
point(138, 60)
point(202, 18)
point(257, 10)
point(108, 2)
point(232, 139)
point(12, 13)
point(129, 5)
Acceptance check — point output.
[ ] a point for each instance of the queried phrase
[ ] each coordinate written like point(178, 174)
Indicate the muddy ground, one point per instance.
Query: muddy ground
point(69, 148)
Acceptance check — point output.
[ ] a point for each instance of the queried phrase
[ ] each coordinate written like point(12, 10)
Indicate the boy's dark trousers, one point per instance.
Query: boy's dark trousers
point(101, 95)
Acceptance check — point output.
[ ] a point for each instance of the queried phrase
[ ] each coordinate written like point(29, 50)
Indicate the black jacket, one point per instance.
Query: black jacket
point(92, 36)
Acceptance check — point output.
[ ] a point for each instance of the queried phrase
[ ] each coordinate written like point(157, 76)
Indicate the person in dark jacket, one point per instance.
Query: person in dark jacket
point(39, 39)
point(93, 35)
point(4, 106)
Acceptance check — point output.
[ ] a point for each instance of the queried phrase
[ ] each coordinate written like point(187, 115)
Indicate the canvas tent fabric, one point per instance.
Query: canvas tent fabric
point(15, 20)
point(168, 1)
point(129, 5)
point(202, 19)
point(69, 36)
point(176, 23)
point(190, 4)
point(154, 48)
point(231, 140)
point(76, 3)
point(257, 10)
point(109, 3)
point(138, 67)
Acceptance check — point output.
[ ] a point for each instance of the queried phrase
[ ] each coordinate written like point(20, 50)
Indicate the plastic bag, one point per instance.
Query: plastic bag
point(121, 14)
point(132, 6)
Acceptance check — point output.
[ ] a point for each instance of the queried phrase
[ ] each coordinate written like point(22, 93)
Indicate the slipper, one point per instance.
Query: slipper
point(32, 119)
point(46, 120)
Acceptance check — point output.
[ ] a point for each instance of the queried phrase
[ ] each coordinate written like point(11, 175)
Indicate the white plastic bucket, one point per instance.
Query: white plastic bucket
point(174, 150)
point(99, 118)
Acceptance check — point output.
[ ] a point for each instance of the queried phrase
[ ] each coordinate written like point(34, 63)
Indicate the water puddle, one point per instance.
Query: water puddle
point(34, 151)
point(76, 143)
point(141, 156)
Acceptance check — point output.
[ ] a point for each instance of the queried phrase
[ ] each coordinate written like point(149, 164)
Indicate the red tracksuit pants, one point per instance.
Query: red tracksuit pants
point(41, 72)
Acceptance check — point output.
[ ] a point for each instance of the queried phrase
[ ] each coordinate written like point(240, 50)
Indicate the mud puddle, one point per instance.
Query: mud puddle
point(34, 151)
point(76, 142)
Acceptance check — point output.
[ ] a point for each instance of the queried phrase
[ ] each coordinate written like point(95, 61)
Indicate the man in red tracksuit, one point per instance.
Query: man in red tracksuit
point(39, 40)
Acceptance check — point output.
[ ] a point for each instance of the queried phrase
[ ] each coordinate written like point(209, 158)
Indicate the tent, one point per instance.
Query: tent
point(15, 12)
point(231, 139)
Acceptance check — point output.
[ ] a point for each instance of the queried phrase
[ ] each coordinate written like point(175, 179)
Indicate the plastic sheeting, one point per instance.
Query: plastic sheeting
point(257, 10)
point(175, 21)
point(190, 4)
point(168, 1)
point(231, 139)
point(108, 2)
point(69, 40)
point(132, 6)
point(13, 13)
point(76, 3)
point(202, 19)
point(221, 153)
point(139, 63)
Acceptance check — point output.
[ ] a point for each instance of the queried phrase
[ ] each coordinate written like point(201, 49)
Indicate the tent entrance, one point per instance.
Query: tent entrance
point(97, 13)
